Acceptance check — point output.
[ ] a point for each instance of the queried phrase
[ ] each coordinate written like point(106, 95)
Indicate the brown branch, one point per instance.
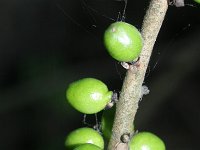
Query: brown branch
point(132, 87)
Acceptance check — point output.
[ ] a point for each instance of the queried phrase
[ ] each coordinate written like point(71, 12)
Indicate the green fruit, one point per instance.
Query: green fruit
point(146, 141)
point(82, 136)
point(123, 41)
point(107, 121)
point(88, 95)
point(198, 1)
point(88, 147)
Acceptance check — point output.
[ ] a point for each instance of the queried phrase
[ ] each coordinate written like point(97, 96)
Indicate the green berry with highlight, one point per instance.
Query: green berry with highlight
point(123, 41)
point(146, 141)
point(88, 95)
point(83, 136)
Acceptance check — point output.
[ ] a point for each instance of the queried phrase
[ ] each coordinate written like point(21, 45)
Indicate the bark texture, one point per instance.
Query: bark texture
point(132, 86)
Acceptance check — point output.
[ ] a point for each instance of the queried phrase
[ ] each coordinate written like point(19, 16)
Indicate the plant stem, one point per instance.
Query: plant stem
point(131, 92)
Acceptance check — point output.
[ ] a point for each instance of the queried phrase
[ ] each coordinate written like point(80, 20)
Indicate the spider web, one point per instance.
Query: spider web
point(121, 16)
point(93, 120)
point(160, 54)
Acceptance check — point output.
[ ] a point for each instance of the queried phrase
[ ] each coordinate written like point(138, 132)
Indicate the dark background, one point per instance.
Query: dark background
point(46, 44)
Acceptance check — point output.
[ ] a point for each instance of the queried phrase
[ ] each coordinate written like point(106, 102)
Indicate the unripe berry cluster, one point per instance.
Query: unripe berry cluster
point(89, 95)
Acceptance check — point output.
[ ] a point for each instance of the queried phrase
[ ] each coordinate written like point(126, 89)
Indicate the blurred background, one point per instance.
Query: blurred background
point(46, 44)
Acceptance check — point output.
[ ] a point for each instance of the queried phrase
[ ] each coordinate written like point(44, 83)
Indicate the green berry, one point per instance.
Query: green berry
point(123, 41)
point(82, 136)
point(107, 121)
point(88, 147)
point(88, 95)
point(198, 1)
point(146, 141)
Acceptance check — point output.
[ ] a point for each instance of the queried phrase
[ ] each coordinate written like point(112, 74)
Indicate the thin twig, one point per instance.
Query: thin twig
point(132, 87)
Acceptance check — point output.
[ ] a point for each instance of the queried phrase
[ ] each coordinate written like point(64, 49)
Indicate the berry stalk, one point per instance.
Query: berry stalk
point(131, 92)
